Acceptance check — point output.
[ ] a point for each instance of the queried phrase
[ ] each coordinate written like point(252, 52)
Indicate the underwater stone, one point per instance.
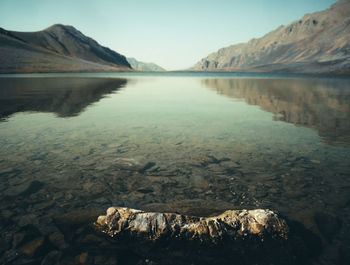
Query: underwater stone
point(31, 248)
point(232, 224)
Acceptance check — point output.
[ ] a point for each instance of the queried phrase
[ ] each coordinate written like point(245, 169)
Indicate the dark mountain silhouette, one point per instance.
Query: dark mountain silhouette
point(58, 48)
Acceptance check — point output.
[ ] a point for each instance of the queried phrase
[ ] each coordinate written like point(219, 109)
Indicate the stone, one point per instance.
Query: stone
point(18, 239)
point(9, 171)
point(83, 257)
point(57, 239)
point(257, 236)
point(206, 160)
point(146, 167)
point(328, 225)
point(52, 258)
point(322, 224)
point(128, 164)
point(3, 245)
point(195, 207)
point(24, 189)
point(94, 240)
point(111, 261)
point(99, 260)
point(31, 248)
point(103, 260)
point(315, 161)
point(29, 219)
point(232, 224)
point(33, 187)
point(70, 222)
point(9, 256)
point(7, 214)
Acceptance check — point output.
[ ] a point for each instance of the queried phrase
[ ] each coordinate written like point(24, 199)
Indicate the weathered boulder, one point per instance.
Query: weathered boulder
point(230, 225)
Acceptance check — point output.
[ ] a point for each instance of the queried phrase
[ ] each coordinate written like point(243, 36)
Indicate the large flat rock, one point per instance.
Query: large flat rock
point(232, 225)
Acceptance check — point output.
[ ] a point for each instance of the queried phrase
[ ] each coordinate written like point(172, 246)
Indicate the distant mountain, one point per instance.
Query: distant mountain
point(147, 67)
point(317, 43)
point(58, 48)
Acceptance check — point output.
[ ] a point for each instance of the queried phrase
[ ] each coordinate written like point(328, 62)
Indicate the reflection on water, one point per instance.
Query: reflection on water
point(322, 104)
point(168, 143)
point(66, 97)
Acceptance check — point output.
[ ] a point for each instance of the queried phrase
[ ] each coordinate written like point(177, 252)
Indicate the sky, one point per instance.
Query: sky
point(174, 34)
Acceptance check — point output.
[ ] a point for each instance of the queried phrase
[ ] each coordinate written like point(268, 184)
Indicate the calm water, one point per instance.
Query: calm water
point(190, 143)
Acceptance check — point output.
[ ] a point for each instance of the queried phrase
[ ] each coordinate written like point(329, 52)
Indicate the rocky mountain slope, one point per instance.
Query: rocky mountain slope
point(317, 43)
point(58, 48)
point(142, 66)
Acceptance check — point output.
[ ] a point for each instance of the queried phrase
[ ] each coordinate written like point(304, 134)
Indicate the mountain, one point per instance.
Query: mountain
point(317, 43)
point(58, 48)
point(147, 67)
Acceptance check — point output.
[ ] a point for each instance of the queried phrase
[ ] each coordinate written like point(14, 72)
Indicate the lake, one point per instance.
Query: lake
point(72, 145)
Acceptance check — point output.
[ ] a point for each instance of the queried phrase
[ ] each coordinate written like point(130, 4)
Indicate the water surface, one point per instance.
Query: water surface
point(196, 144)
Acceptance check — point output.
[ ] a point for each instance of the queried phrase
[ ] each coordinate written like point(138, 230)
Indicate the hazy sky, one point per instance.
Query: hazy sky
point(174, 34)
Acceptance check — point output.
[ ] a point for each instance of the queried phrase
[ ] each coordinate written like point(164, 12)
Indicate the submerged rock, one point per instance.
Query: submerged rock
point(232, 224)
point(33, 247)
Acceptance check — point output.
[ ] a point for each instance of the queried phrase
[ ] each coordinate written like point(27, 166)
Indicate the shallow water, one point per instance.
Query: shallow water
point(195, 144)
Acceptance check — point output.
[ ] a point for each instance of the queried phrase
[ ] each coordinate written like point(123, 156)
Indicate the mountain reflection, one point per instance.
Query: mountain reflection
point(321, 104)
point(66, 97)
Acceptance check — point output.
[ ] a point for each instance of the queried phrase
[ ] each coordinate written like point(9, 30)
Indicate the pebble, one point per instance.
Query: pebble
point(57, 239)
point(32, 247)
point(29, 219)
point(6, 213)
point(52, 258)
point(18, 239)
point(315, 161)
point(328, 225)
point(82, 258)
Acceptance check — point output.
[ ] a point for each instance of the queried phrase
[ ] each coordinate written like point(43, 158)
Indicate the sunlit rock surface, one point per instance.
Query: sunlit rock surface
point(232, 224)
point(315, 43)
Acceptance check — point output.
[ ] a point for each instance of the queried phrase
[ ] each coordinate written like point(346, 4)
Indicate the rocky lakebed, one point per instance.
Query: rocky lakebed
point(143, 170)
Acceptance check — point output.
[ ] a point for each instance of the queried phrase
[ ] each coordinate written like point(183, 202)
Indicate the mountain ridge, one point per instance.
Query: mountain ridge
point(58, 48)
point(317, 43)
point(143, 66)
